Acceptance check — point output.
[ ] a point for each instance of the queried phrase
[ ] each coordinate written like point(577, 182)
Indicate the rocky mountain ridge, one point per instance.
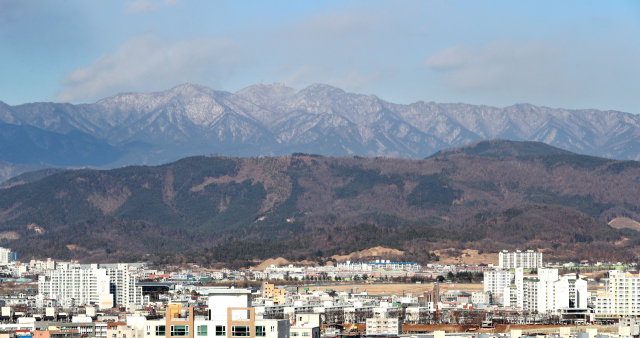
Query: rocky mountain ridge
point(272, 120)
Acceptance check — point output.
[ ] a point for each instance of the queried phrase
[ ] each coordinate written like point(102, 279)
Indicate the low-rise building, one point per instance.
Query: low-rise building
point(384, 326)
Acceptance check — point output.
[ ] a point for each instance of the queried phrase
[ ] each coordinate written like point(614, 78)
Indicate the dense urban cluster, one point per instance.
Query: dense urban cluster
point(133, 300)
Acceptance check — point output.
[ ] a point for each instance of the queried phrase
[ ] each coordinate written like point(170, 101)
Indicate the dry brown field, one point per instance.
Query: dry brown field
point(397, 289)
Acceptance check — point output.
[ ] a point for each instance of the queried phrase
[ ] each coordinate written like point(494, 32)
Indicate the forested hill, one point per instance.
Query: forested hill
point(210, 209)
point(504, 148)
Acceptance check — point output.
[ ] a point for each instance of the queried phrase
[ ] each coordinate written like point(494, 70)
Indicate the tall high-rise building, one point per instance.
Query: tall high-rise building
point(495, 281)
point(105, 287)
point(6, 256)
point(518, 259)
point(123, 287)
point(546, 292)
point(75, 286)
point(621, 297)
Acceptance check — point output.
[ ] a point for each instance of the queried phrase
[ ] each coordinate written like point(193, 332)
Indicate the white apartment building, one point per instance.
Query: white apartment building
point(604, 305)
point(622, 295)
point(480, 297)
point(124, 331)
point(72, 285)
point(496, 280)
point(547, 292)
point(75, 286)
point(510, 296)
point(528, 259)
point(384, 326)
point(6, 256)
point(123, 287)
point(306, 325)
point(378, 265)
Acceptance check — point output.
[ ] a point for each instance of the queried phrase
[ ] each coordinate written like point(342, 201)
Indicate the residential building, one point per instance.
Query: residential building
point(518, 259)
point(306, 326)
point(6, 256)
point(379, 265)
point(496, 280)
point(124, 331)
point(604, 305)
point(547, 292)
point(75, 286)
point(481, 297)
point(269, 291)
point(384, 326)
point(621, 297)
point(123, 287)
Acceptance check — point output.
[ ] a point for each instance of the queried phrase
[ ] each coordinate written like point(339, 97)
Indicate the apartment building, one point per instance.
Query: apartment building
point(123, 287)
point(604, 305)
point(6, 256)
point(268, 291)
point(546, 292)
point(621, 297)
point(124, 331)
point(306, 326)
point(481, 297)
point(378, 265)
point(518, 259)
point(495, 281)
point(384, 327)
point(76, 286)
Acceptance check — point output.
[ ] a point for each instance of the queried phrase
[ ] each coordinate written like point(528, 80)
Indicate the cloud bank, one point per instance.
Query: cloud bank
point(147, 63)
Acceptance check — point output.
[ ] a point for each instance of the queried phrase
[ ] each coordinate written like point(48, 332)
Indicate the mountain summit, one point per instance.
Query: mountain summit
point(273, 119)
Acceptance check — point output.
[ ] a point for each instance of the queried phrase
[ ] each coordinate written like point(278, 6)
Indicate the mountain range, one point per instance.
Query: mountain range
point(488, 196)
point(275, 120)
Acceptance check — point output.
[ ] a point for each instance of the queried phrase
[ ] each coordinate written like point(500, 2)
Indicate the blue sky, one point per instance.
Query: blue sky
point(569, 54)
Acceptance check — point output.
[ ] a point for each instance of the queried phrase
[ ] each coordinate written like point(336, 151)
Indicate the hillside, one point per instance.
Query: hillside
point(274, 120)
point(30, 176)
point(503, 148)
point(220, 209)
point(9, 170)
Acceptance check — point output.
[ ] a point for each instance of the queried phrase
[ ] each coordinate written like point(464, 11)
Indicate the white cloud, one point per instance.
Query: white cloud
point(146, 63)
point(498, 66)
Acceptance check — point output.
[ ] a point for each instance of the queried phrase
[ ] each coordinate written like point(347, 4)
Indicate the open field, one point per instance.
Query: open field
point(469, 256)
point(398, 289)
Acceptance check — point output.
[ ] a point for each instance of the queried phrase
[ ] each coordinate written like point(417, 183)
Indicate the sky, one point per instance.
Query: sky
point(560, 54)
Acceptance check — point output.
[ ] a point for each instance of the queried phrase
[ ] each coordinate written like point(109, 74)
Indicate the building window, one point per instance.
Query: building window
point(240, 331)
point(179, 330)
point(160, 330)
point(202, 330)
point(295, 334)
point(221, 330)
point(306, 334)
point(260, 331)
point(273, 329)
